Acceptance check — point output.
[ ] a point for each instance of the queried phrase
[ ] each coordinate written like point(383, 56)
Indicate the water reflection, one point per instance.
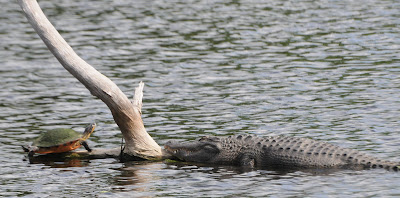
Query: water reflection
point(231, 171)
point(136, 176)
point(59, 160)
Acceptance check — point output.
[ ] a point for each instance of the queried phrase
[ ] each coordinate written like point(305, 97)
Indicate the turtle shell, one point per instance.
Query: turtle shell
point(56, 137)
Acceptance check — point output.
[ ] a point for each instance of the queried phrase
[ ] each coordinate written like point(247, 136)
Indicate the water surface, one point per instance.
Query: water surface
point(328, 70)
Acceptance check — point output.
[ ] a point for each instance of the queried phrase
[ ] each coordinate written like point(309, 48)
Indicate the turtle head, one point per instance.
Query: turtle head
point(88, 131)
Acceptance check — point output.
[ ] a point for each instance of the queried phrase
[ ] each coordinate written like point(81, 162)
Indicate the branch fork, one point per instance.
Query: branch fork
point(126, 113)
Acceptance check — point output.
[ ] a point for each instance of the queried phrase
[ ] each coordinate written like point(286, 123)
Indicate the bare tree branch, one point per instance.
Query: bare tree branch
point(126, 115)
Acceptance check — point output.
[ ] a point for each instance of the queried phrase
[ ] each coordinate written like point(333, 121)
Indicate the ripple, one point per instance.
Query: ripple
point(318, 69)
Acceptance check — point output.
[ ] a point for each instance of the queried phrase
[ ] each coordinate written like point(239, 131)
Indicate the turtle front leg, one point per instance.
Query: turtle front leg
point(85, 144)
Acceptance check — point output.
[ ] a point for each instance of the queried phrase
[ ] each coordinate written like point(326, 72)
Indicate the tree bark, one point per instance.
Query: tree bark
point(127, 115)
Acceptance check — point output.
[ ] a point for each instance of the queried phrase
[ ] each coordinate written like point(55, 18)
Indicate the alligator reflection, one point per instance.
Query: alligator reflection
point(59, 160)
point(235, 170)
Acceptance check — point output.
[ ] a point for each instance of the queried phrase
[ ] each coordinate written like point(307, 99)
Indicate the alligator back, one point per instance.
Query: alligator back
point(292, 152)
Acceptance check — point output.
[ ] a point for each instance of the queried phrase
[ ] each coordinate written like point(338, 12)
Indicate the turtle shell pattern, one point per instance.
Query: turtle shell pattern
point(57, 141)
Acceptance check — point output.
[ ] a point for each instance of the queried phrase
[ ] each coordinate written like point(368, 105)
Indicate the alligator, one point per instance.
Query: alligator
point(273, 152)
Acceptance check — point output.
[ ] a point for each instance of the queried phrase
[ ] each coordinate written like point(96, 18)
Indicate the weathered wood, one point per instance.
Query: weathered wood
point(127, 115)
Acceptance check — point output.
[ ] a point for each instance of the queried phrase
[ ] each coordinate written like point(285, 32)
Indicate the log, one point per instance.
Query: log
point(127, 115)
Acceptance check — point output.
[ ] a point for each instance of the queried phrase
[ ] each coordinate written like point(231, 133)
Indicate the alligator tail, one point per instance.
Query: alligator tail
point(384, 164)
point(393, 166)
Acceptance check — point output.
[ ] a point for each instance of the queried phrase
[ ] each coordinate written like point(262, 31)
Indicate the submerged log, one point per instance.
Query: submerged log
point(127, 114)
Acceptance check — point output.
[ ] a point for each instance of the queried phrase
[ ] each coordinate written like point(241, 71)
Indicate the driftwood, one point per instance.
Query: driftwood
point(126, 114)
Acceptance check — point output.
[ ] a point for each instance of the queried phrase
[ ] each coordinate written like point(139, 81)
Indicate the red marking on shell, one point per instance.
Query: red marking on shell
point(69, 146)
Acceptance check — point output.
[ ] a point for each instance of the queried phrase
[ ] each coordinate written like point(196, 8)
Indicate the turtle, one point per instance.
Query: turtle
point(60, 140)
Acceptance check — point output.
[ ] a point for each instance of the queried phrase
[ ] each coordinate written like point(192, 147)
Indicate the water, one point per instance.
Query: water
point(327, 70)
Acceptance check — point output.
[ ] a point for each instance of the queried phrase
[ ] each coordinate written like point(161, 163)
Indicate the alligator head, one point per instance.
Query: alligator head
point(204, 150)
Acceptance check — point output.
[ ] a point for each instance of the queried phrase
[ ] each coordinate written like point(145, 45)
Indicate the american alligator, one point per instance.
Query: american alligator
point(274, 152)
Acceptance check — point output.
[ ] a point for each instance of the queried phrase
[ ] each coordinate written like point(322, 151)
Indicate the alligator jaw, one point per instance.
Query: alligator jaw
point(180, 150)
point(192, 151)
point(177, 152)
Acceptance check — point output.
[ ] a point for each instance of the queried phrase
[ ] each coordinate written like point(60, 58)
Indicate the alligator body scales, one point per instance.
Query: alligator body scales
point(273, 151)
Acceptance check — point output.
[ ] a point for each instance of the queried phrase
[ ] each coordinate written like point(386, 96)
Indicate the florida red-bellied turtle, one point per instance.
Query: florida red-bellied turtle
point(60, 140)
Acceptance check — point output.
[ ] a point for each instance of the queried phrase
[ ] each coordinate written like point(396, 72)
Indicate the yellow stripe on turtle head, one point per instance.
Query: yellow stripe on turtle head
point(88, 131)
